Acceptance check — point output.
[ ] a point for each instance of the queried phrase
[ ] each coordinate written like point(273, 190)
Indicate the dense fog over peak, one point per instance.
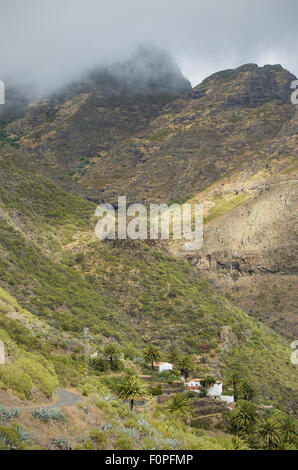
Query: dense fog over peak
point(45, 45)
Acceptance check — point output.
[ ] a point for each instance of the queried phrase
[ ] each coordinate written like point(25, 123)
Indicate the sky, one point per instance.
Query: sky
point(50, 43)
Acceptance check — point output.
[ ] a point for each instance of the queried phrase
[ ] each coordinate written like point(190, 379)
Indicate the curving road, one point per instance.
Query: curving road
point(66, 398)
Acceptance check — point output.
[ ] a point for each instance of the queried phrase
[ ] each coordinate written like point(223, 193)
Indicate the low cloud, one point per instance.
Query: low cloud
point(48, 44)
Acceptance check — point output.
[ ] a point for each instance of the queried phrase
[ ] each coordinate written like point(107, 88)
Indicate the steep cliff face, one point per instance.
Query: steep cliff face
point(250, 244)
point(232, 120)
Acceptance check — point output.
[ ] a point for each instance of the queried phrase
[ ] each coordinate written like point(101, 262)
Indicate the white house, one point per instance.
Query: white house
point(194, 384)
point(227, 398)
point(214, 390)
point(162, 366)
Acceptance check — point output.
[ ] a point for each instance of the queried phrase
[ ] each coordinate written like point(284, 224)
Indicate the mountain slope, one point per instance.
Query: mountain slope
point(128, 292)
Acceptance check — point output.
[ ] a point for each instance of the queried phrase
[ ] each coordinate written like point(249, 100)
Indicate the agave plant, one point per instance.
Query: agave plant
point(48, 414)
point(7, 413)
point(59, 443)
point(24, 434)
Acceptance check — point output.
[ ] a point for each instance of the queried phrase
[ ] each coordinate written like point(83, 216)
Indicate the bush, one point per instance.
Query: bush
point(124, 443)
point(87, 389)
point(40, 374)
point(14, 378)
point(156, 391)
point(117, 365)
point(99, 364)
point(99, 438)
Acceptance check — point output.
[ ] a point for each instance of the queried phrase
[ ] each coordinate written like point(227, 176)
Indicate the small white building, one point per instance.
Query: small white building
point(214, 390)
point(194, 384)
point(227, 398)
point(162, 366)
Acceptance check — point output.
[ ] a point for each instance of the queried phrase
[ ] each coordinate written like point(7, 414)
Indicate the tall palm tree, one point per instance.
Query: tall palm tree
point(234, 381)
point(111, 350)
point(288, 429)
point(151, 354)
point(245, 391)
point(269, 433)
point(244, 415)
point(185, 365)
point(132, 388)
point(173, 356)
point(208, 381)
point(181, 403)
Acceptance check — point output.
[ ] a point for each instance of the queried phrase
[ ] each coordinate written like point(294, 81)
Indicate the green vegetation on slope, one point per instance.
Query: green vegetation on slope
point(26, 372)
point(133, 292)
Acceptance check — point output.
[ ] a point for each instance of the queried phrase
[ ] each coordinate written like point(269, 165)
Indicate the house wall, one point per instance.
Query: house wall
point(227, 398)
point(166, 366)
point(215, 389)
point(194, 384)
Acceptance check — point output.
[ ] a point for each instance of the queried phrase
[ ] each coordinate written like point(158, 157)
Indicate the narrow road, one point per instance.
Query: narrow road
point(65, 398)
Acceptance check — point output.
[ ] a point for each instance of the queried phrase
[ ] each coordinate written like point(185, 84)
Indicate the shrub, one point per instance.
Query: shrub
point(14, 378)
point(117, 365)
point(87, 389)
point(99, 364)
point(99, 438)
point(40, 374)
point(156, 391)
point(124, 443)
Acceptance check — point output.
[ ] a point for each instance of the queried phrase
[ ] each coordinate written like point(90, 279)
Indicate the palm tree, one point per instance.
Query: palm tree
point(132, 388)
point(111, 350)
point(244, 415)
point(269, 433)
point(181, 403)
point(288, 429)
point(151, 354)
point(208, 381)
point(239, 444)
point(234, 380)
point(185, 365)
point(246, 392)
point(173, 355)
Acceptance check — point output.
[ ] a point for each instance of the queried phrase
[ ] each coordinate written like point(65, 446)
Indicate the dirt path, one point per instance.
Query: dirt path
point(65, 398)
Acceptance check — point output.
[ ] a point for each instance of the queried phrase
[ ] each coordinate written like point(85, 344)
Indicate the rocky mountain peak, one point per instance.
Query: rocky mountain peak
point(248, 85)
